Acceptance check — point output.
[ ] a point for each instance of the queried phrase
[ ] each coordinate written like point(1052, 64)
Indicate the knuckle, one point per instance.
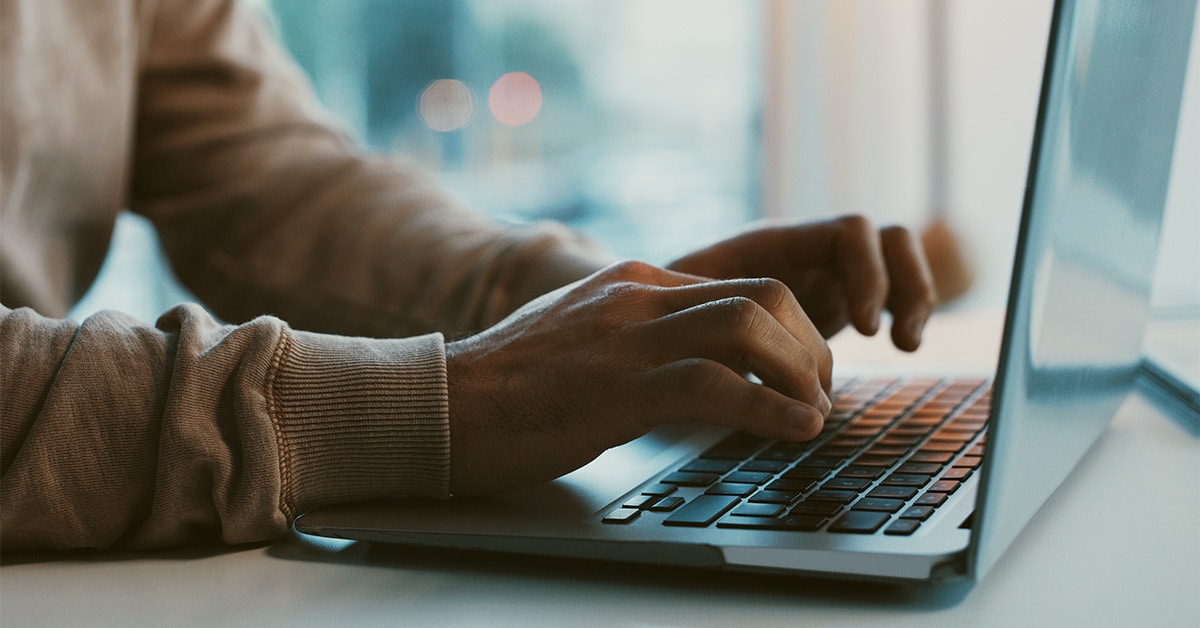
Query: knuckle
point(741, 314)
point(772, 292)
point(927, 298)
point(621, 304)
point(857, 224)
point(628, 270)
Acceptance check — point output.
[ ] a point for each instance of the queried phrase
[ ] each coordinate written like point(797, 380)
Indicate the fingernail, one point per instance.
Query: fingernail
point(805, 419)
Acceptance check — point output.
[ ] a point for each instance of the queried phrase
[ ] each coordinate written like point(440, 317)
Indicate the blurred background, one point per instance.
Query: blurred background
point(655, 126)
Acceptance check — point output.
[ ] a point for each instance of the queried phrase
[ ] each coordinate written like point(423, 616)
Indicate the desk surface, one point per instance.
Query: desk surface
point(1119, 545)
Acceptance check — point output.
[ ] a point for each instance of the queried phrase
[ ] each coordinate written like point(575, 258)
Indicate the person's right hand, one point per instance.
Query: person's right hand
point(602, 361)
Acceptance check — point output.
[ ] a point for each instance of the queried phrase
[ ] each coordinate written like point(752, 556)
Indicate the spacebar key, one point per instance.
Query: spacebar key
point(702, 510)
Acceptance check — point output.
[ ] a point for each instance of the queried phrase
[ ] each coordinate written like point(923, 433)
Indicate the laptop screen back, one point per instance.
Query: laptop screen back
point(1086, 251)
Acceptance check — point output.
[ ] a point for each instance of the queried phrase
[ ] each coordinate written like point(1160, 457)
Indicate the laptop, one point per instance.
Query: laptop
point(913, 479)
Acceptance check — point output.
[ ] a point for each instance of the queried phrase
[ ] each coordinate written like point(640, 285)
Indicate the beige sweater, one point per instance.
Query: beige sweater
point(187, 112)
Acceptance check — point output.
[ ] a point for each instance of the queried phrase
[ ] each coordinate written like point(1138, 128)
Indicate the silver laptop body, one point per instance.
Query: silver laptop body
point(1079, 300)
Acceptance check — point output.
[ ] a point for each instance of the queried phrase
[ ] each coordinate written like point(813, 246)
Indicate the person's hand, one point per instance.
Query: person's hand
point(841, 271)
point(602, 361)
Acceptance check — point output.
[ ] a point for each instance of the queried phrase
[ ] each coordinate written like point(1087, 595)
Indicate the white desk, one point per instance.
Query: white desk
point(1120, 546)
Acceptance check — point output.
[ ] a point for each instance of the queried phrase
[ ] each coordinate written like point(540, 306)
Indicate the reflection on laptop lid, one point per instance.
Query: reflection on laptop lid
point(889, 489)
point(1084, 265)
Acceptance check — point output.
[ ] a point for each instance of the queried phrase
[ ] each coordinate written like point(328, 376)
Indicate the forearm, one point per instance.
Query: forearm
point(120, 435)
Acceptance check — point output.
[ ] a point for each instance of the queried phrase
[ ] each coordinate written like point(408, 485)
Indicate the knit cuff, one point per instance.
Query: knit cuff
point(359, 419)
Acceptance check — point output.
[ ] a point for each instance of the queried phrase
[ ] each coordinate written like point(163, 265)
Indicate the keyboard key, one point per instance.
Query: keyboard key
point(942, 445)
point(763, 466)
point(746, 477)
point(911, 430)
point(774, 497)
point(927, 468)
point(883, 450)
point(804, 473)
point(866, 460)
point(906, 479)
point(640, 501)
point(971, 462)
point(958, 473)
point(917, 512)
point(758, 510)
point(931, 499)
point(868, 473)
point(893, 492)
point(794, 523)
point(621, 515)
point(847, 484)
point(944, 486)
point(879, 504)
point(902, 441)
point(701, 511)
point(709, 465)
point(777, 454)
point(736, 446)
point(798, 485)
point(682, 478)
point(940, 457)
point(903, 527)
point(667, 504)
point(869, 427)
point(835, 451)
point(924, 419)
point(859, 522)
point(659, 490)
point(966, 425)
point(825, 509)
point(820, 462)
point(953, 434)
point(841, 497)
point(724, 488)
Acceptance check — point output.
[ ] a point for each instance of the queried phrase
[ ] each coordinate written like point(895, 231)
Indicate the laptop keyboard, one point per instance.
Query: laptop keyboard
point(891, 453)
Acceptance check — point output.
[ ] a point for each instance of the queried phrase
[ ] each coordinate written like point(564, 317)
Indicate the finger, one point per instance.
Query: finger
point(825, 303)
point(849, 247)
point(857, 258)
point(703, 391)
point(912, 297)
point(742, 335)
point(771, 294)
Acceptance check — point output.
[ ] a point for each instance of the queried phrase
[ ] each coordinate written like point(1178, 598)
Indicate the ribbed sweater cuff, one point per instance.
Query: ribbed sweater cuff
point(360, 419)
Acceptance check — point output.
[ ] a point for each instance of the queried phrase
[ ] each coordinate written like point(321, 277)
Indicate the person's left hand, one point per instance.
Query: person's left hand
point(842, 271)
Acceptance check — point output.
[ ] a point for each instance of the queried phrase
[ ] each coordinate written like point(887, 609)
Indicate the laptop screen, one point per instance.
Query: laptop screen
point(1084, 264)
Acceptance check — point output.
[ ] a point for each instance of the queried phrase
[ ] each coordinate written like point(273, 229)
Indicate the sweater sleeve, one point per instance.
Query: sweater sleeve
point(264, 207)
point(116, 434)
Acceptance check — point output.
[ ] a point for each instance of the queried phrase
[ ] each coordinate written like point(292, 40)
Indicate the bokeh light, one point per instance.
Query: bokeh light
point(515, 99)
point(446, 105)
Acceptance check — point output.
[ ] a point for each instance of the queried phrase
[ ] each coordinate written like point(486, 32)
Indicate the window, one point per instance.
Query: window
point(657, 125)
point(634, 121)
